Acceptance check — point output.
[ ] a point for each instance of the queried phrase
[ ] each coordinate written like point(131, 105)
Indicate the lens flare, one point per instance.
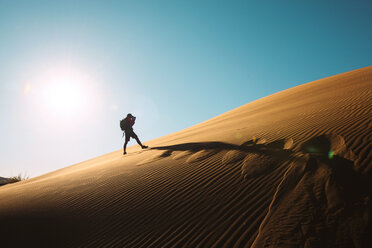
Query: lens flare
point(238, 135)
point(331, 154)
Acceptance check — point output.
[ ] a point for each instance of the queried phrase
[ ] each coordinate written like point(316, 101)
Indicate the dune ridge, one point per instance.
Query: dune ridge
point(289, 170)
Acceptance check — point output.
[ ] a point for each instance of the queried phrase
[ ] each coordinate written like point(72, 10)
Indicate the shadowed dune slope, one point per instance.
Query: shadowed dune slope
point(289, 170)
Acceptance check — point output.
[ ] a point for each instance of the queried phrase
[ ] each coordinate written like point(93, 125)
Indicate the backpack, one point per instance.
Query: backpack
point(123, 125)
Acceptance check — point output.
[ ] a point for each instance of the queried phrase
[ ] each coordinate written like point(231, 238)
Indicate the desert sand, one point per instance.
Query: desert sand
point(292, 169)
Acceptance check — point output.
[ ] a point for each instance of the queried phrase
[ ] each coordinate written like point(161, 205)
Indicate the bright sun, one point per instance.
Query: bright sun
point(65, 92)
point(64, 96)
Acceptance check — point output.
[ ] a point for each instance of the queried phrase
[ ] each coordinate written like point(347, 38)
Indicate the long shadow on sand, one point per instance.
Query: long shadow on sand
point(254, 156)
point(249, 146)
point(277, 147)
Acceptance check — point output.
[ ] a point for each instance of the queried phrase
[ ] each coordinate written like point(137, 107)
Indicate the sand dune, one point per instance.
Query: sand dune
point(289, 170)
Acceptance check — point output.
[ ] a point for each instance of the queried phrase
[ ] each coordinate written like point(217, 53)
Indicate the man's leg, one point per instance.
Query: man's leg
point(127, 137)
point(137, 139)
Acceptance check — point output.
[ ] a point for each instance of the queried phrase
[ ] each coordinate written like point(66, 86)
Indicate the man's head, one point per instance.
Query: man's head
point(129, 115)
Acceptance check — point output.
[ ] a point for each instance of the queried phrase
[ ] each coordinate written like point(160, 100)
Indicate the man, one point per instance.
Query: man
point(127, 126)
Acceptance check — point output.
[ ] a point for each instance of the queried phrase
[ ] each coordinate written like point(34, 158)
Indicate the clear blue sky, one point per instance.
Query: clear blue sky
point(171, 63)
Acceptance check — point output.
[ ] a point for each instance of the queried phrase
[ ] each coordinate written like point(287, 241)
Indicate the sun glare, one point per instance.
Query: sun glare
point(27, 89)
point(66, 93)
point(63, 96)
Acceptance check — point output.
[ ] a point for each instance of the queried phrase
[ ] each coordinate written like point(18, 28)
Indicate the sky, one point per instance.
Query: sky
point(70, 70)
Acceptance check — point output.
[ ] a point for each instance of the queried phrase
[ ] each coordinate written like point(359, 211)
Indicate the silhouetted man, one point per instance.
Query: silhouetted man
point(127, 126)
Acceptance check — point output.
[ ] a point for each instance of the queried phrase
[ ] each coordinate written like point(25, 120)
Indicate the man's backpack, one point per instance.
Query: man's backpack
point(123, 125)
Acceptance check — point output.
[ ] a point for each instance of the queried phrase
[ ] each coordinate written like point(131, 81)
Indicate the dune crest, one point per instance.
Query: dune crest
point(289, 170)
